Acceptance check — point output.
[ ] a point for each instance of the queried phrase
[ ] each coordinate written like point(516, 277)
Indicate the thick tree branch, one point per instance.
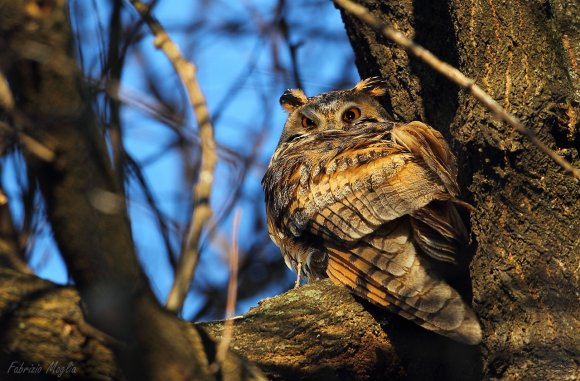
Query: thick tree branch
point(312, 333)
point(316, 332)
point(43, 325)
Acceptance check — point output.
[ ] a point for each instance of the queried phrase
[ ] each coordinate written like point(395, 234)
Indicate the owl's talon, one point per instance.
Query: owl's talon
point(297, 283)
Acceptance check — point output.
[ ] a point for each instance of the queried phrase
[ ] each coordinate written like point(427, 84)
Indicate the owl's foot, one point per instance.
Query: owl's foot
point(297, 283)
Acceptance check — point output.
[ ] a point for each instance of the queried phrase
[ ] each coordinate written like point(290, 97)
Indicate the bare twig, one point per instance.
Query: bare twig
point(11, 252)
point(164, 227)
point(113, 73)
point(38, 149)
point(33, 146)
point(455, 76)
point(7, 104)
point(202, 190)
point(224, 343)
point(6, 98)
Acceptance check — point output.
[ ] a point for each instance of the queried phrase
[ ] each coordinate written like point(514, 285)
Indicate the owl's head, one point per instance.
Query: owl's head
point(335, 110)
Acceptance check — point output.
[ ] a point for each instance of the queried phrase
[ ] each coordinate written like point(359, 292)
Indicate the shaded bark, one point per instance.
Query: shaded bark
point(527, 216)
point(43, 324)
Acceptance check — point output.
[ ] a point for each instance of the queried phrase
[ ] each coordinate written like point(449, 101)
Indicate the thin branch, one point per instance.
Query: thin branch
point(246, 164)
point(112, 72)
point(11, 251)
point(202, 191)
point(6, 98)
point(224, 343)
point(135, 169)
point(7, 104)
point(38, 149)
point(455, 76)
point(35, 147)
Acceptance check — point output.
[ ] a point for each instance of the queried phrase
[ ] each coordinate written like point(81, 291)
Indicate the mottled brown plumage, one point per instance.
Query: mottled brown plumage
point(370, 204)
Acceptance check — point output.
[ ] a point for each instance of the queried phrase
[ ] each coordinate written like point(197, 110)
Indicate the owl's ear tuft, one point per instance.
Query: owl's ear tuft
point(373, 86)
point(293, 98)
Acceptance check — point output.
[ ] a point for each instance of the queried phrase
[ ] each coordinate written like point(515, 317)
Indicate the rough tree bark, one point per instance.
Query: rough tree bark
point(527, 211)
point(526, 221)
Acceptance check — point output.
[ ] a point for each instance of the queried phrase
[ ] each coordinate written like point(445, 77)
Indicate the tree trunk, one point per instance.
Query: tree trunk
point(526, 221)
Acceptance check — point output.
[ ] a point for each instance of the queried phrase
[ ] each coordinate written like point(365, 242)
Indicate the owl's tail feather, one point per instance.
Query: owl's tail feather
point(431, 303)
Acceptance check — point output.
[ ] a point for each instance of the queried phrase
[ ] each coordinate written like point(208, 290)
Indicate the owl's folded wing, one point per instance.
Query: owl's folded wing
point(439, 231)
point(429, 146)
point(362, 188)
point(386, 270)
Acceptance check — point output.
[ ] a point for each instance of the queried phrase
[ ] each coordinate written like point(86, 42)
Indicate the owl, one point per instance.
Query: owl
point(371, 204)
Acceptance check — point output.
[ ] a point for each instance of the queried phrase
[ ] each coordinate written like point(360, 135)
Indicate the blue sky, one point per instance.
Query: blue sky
point(254, 111)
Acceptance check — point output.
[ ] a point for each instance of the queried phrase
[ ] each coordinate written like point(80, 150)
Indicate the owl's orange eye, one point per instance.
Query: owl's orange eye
point(307, 122)
point(351, 114)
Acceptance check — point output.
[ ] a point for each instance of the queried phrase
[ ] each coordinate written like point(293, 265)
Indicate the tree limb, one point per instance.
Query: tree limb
point(316, 332)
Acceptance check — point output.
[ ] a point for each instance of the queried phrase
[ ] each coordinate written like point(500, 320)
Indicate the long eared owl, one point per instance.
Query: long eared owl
point(372, 205)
